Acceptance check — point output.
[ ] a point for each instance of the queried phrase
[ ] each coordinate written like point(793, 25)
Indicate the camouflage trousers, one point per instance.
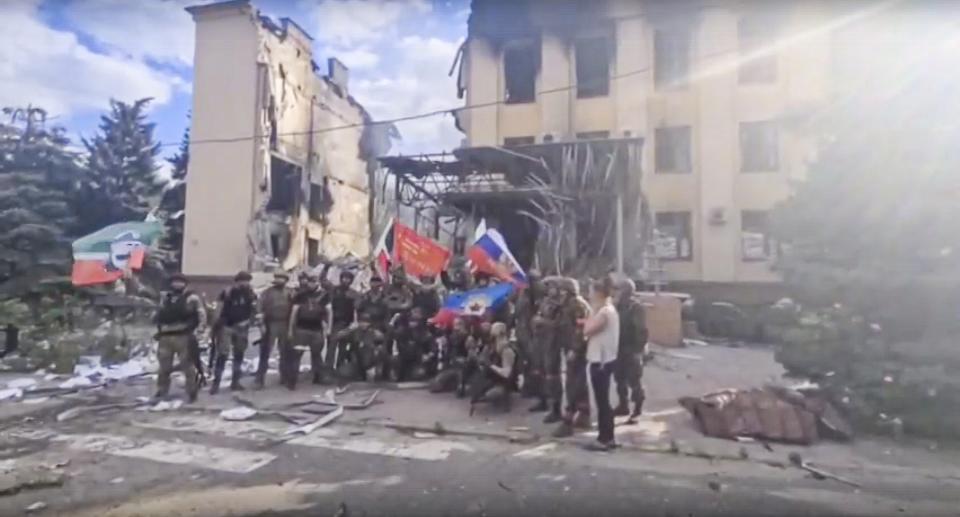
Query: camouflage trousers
point(175, 347)
point(577, 386)
point(547, 367)
point(275, 332)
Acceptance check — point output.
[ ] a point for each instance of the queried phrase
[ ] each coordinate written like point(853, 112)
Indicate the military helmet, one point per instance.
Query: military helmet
point(242, 276)
point(178, 277)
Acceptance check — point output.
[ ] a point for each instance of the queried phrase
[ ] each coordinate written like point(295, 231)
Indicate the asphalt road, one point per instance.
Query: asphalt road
point(195, 464)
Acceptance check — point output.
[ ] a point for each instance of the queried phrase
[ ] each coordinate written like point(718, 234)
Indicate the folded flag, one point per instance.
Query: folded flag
point(383, 252)
point(472, 303)
point(491, 255)
point(104, 255)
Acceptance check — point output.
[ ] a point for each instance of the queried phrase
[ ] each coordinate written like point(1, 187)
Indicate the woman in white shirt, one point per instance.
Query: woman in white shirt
point(602, 330)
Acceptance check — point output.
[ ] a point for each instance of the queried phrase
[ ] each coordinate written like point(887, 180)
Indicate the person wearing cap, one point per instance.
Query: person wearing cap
point(180, 315)
point(238, 307)
point(276, 302)
point(307, 327)
point(343, 309)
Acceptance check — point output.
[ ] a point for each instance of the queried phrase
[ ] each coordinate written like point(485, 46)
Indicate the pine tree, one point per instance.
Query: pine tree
point(37, 173)
point(173, 203)
point(121, 182)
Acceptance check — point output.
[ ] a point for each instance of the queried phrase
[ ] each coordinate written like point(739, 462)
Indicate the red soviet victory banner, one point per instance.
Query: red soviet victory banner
point(418, 254)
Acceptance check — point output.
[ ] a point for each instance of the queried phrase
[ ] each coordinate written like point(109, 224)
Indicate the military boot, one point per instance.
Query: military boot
point(622, 409)
point(582, 421)
point(564, 430)
point(554, 415)
point(237, 372)
point(218, 366)
point(540, 406)
point(637, 411)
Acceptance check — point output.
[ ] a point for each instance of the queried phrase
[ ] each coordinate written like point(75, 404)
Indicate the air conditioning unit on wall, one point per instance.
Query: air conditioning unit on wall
point(547, 138)
point(718, 216)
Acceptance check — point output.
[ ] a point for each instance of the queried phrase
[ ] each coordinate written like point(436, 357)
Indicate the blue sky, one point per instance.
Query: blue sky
point(72, 56)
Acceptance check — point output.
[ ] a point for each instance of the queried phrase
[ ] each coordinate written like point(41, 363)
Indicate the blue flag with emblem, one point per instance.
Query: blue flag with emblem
point(473, 303)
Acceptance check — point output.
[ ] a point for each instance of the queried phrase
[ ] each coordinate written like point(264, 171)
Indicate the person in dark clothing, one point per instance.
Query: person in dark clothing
point(181, 314)
point(275, 305)
point(427, 297)
point(343, 307)
point(452, 357)
point(548, 363)
point(628, 372)
point(238, 307)
point(372, 303)
point(307, 326)
point(363, 347)
point(525, 308)
point(415, 344)
point(11, 340)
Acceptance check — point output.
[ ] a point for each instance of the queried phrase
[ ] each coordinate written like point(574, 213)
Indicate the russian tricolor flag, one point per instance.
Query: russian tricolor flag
point(491, 255)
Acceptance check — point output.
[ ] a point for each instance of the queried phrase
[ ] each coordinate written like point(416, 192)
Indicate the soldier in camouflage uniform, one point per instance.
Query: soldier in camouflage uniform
point(548, 354)
point(453, 353)
point(526, 307)
point(181, 314)
point(628, 371)
point(574, 346)
point(307, 326)
point(275, 305)
point(364, 346)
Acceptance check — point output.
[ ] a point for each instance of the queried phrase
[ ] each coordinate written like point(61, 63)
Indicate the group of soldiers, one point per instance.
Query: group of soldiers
point(387, 331)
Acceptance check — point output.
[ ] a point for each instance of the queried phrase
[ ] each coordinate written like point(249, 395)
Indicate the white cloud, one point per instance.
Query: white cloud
point(419, 84)
point(52, 69)
point(159, 30)
point(348, 22)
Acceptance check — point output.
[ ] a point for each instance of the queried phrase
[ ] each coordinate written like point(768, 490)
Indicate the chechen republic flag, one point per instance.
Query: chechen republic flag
point(103, 256)
point(491, 255)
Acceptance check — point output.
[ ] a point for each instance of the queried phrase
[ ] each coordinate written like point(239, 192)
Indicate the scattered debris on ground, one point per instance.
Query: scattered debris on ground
point(771, 413)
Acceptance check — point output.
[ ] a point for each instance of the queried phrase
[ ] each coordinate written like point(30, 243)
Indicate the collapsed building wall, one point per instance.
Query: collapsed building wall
point(282, 178)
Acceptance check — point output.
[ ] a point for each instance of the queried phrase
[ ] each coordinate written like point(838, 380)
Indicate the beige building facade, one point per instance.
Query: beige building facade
point(270, 184)
point(720, 95)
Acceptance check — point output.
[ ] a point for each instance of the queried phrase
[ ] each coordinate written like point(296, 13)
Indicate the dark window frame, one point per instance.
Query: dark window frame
point(759, 152)
point(598, 83)
point(683, 226)
point(666, 157)
point(313, 252)
point(672, 57)
point(758, 221)
point(753, 33)
point(593, 135)
point(518, 141)
point(524, 87)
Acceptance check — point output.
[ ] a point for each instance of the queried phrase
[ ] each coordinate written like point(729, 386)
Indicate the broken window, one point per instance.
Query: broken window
point(316, 202)
point(759, 146)
point(592, 56)
point(284, 186)
point(514, 141)
point(593, 135)
point(755, 241)
point(313, 252)
point(671, 57)
point(672, 149)
point(755, 34)
point(520, 63)
point(673, 236)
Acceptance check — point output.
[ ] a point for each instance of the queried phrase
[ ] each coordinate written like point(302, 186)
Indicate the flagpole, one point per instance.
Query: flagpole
point(619, 233)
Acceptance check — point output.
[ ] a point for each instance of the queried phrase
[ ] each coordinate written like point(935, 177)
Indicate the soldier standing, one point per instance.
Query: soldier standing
point(343, 306)
point(237, 310)
point(307, 322)
point(628, 371)
point(574, 346)
point(181, 314)
point(275, 305)
point(526, 307)
point(545, 342)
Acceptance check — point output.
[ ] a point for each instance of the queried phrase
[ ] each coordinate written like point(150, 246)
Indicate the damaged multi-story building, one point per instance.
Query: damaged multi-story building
point(716, 94)
point(279, 155)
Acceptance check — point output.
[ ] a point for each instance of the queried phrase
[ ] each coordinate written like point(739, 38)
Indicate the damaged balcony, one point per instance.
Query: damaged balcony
point(564, 207)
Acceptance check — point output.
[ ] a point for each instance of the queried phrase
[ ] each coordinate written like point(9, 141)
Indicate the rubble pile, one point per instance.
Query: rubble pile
point(902, 387)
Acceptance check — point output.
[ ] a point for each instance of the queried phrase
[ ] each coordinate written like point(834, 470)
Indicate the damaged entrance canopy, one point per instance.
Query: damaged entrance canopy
point(554, 202)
